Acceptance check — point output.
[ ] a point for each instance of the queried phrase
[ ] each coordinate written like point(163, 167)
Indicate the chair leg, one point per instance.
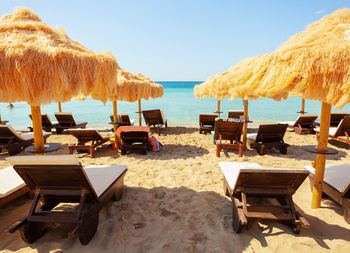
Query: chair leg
point(218, 149)
point(92, 152)
point(240, 150)
point(70, 149)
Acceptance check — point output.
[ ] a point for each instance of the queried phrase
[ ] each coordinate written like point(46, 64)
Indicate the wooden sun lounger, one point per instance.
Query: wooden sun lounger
point(304, 124)
point(341, 132)
point(268, 136)
point(235, 114)
point(15, 142)
point(207, 122)
point(336, 185)
point(11, 185)
point(230, 130)
point(336, 117)
point(66, 120)
point(84, 136)
point(62, 179)
point(134, 141)
point(46, 123)
point(155, 119)
point(125, 120)
point(263, 193)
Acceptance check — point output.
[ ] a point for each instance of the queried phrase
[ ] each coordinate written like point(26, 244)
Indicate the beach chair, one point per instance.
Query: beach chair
point(135, 141)
point(11, 185)
point(207, 122)
point(235, 114)
point(336, 117)
point(125, 120)
point(268, 136)
point(46, 123)
point(56, 179)
point(155, 119)
point(263, 193)
point(85, 136)
point(228, 130)
point(336, 185)
point(66, 120)
point(304, 124)
point(340, 133)
point(15, 142)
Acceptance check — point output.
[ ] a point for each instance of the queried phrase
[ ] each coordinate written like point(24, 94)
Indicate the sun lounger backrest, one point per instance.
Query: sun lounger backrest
point(229, 129)
point(52, 172)
point(270, 178)
point(65, 119)
point(336, 117)
point(305, 121)
point(46, 122)
point(7, 133)
point(153, 117)
point(235, 114)
point(271, 132)
point(134, 136)
point(207, 119)
point(125, 119)
point(343, 126)
point(87, 134)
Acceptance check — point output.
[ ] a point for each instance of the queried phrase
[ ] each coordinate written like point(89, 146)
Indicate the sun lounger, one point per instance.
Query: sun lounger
point(134, 138)
point(336, 185)
point(15, 142)
point(228, 130)
point(235, 114)
point(125, 120)
point(84, 136)
point(46, 123)
point(66, 120)
point(207, 122)
point(3, 122)
point(341, 132)
point(268, 136)
point(336, 117)
point(155, 119)
point(11, 185)
point(62, 179)
point(304, 124)
point(262, 193)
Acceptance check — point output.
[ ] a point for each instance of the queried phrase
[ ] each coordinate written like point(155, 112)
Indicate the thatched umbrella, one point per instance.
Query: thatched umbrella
point(40, 65)
point(133, 88)
point(314, 64)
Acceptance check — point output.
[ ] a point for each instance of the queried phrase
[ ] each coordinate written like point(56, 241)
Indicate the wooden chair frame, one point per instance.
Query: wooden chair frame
point(154, 119)
point(231, 130)
point(304, 124)
point(134, 141)
point(46, 124)
point(207, 122)
point(66, 121)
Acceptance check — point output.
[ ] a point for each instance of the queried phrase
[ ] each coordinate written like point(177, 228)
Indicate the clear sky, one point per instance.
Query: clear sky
point(179, 40)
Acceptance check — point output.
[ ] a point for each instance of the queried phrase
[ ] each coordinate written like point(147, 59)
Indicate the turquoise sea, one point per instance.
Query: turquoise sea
point(178, 103)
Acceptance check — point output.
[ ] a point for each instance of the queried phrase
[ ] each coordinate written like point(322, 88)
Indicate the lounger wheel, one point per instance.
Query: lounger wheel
point(236, 223)
point(31, 231)
point(260, 149)
point(88, 226)
point(283, 149)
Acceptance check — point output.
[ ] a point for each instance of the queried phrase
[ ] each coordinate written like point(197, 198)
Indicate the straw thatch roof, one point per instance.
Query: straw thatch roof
point(133, 87)
point(40, 65)
point(314, 64)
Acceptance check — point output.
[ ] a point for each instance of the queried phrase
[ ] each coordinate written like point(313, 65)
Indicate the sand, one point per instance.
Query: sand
point(174, 202)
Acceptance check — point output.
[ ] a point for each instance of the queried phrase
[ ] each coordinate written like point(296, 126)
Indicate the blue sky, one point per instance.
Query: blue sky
point(180, 40)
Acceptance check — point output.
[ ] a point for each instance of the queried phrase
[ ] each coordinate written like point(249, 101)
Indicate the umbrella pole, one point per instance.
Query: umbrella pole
point(37, 128)
point(59, 107)
point(218, 111)
point(115, 123)
point(302, 106)
point(321, 158)
point(245, 125)
point(140, 123)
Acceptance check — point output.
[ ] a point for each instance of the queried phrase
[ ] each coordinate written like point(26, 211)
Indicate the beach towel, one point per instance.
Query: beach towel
point(154, 145)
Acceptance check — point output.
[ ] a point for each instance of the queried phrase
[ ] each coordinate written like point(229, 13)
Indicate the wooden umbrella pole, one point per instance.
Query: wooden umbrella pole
point(140, 123)
point(115, 115)
point(245, 125)
point(37, 128)
point(59, 107)
point(218, 111)
point(321, 158)
point(302, 106)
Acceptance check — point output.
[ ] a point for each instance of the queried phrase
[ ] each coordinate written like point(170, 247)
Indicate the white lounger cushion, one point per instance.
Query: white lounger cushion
point(44, 160)
point(337, 176)
point(132, 122)
point(252, 136)
point(28, 136)
point(231, 170)
point(10, 181)
point(102, 176)
point(332, 130)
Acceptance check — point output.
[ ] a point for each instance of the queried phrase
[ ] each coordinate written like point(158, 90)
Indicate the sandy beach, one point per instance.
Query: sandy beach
point(174, 202)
